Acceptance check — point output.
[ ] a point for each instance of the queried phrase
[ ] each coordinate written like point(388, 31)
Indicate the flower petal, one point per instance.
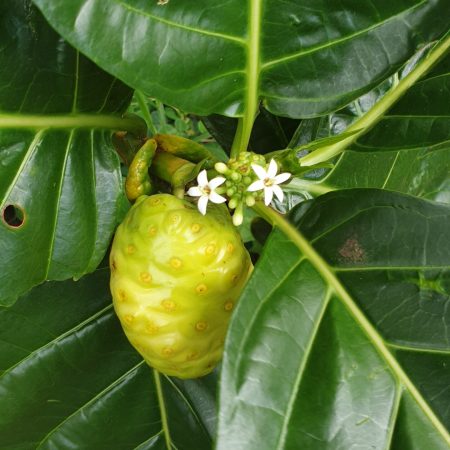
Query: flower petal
point(216, 198)
point(202, 204)
point(202, 178)
point(282, 177)
point(195, 191)
point(256, 186)
point(273, 169)
point(260, 171)
point(278, 192)
point(268, 195)
point(216, 182)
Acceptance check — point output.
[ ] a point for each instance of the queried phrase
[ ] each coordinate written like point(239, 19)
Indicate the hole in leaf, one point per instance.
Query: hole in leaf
point(13, 216)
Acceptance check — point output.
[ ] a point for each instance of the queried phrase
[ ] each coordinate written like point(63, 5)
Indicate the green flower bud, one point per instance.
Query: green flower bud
point(250, 200)
point(221, 168)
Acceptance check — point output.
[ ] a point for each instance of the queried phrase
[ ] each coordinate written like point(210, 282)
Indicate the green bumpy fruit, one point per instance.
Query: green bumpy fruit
point(175, 278)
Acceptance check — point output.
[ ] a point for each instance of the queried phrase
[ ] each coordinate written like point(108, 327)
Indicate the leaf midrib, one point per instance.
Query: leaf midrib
point(372, 334)
point(163, 410)
point(68, 121)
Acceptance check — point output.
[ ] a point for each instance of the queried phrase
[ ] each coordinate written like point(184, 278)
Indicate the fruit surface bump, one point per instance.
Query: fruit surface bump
point(175, 278)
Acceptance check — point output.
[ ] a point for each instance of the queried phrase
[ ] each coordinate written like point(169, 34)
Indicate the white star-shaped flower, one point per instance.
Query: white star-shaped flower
point(206, 190)
point(269, 181)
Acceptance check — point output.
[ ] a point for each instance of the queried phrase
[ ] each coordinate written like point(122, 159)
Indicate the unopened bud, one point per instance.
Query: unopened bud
point(233, 203)
point(221, 167)
point(236, 176)
point(231, 192)
point(250, 200)
point(238, 217)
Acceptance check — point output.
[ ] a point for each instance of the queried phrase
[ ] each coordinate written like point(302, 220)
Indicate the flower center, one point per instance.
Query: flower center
point(268, 182)
point(206, 190)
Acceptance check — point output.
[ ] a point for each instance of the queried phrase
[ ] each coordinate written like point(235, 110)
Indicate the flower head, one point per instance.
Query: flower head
point(269, 181)
point(206, 190)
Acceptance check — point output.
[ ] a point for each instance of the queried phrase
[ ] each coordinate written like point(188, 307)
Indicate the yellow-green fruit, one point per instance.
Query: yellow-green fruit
point(175, 278)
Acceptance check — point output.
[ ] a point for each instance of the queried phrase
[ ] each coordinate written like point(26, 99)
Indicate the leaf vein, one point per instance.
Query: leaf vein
point(169, 23)
point(335, 42)
point(89, 402)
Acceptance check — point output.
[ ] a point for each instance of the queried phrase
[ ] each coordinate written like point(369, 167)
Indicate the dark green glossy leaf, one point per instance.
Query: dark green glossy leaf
point(70, 379)
point(59, 185)
point(301, 58)
point(344, 345)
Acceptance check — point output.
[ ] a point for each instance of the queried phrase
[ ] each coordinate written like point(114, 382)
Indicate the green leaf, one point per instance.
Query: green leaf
point(59, 176)
point(420, 119)
point(407, 151)
point(344, 343)
point(70, 379)
point(300, 58)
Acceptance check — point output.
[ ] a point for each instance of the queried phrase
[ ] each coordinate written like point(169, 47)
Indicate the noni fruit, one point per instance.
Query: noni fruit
point(175, 278)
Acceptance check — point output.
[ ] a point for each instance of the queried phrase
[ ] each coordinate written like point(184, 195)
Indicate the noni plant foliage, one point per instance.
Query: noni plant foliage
point(225, 224)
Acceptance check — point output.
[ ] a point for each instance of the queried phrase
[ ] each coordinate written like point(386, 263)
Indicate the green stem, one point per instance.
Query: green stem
point(143, 105)
point(236, 147)
point(327, 274)
point(162, 409)
point(313, 187)
point(70, 121)
point(376, 113)
point(245, 126)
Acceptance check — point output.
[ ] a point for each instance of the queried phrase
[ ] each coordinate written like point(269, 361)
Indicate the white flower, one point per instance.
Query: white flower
point(269, 181)
point(206, 191)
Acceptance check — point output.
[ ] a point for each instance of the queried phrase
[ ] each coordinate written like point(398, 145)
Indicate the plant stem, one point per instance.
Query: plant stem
point(376, 113)
point(236, 147)
point(244, 131)
point(142, 101)
point(366, 326)
point(162, 409)
point(71, 121)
